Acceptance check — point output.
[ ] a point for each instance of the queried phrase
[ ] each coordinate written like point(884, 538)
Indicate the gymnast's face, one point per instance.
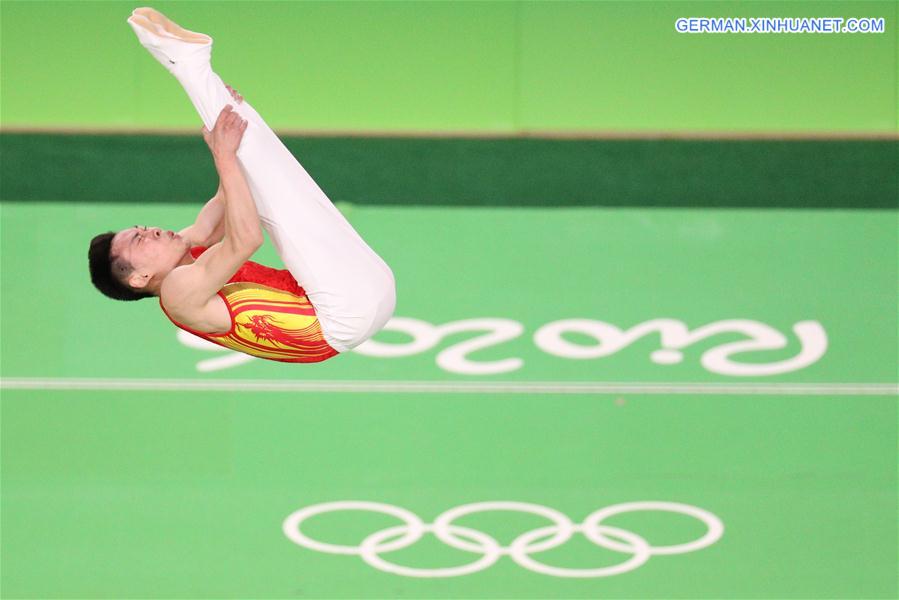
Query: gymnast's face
point(152, 253)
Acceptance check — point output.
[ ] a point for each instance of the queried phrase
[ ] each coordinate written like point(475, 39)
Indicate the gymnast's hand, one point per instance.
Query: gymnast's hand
point(234, 94)
point(224, 139)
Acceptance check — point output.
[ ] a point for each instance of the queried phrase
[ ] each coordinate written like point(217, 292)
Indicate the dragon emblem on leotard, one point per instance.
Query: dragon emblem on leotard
point(264, 328)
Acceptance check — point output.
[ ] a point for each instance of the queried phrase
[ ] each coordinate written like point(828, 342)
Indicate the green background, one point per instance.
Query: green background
point(455, 67)
point(134, 465)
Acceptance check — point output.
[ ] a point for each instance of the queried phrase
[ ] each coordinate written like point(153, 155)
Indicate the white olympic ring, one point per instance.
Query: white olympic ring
point(519, 550)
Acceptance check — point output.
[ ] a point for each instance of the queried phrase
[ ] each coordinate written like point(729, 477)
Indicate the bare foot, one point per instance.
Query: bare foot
point(163, 23)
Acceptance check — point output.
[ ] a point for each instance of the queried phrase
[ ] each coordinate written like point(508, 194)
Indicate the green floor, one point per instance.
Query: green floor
point(738, 365)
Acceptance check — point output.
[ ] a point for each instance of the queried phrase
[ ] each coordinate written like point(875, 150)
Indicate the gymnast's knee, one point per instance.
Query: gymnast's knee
point(383, 304)
point(389, 292)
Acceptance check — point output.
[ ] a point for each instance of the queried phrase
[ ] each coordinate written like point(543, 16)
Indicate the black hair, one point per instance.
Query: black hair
point(107, 270)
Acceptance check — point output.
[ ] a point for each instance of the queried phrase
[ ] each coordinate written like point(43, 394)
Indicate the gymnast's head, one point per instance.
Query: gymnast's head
point(131, 264)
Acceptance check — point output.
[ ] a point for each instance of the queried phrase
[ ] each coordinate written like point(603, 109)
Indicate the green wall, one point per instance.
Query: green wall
point(498, 67)
point(854, 174)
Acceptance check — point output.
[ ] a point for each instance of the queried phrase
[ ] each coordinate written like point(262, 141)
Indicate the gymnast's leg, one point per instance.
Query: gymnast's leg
point(350, 286)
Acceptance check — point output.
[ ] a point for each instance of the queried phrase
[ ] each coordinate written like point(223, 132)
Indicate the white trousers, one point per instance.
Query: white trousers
point(351, 287)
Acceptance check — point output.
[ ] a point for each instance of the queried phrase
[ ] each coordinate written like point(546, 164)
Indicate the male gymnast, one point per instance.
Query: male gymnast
point(335, 293)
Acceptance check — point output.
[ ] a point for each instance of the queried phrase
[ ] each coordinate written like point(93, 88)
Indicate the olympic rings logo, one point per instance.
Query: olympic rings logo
point(520, 550)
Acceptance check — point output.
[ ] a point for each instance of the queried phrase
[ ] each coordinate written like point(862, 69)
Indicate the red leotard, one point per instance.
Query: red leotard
point(271, 317)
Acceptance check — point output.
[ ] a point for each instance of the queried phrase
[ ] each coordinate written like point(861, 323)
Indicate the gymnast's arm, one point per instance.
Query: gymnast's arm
point(209, 227)
point(193, 287)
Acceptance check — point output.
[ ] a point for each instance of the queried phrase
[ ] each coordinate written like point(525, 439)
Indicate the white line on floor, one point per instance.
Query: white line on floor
point(448, 387)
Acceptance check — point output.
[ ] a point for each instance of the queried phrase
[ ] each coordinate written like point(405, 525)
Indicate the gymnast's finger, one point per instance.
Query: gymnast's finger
point(223, 115)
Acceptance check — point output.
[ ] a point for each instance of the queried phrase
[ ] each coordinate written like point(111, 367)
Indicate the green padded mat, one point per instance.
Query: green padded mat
point(568, 402)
